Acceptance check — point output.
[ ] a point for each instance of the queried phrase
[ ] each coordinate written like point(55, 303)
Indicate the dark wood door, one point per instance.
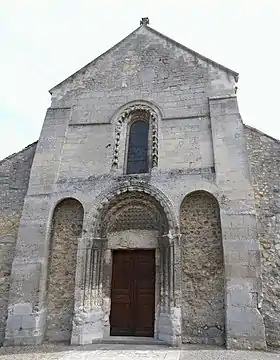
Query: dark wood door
point(133, 293)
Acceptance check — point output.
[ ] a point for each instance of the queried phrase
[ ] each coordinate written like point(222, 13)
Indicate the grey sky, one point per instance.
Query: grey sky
point(44, 41)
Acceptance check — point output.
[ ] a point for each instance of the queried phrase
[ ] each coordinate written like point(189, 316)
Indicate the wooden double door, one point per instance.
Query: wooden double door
point(133, 293)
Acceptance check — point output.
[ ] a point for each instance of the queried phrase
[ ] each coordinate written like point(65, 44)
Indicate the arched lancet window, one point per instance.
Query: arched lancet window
point(137, 155)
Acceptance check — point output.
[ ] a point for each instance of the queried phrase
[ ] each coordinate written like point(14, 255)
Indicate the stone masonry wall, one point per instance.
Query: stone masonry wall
point(14, 178)
point(67, 227)
point(202, 270)
point(264, 157)
point(143, 67)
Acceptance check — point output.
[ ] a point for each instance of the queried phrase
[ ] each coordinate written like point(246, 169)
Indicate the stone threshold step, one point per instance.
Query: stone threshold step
point(129, 340)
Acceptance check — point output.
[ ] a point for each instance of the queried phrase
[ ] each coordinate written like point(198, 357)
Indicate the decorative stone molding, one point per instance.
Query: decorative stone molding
point(93, 220)
point(125, 113)
point(134, 210)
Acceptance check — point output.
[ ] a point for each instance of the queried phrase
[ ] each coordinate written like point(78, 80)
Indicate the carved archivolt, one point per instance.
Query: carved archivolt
point(158, 201)
point(133, 210)
point(153, 118)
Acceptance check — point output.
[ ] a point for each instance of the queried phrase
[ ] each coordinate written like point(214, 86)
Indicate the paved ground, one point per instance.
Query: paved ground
point(129, 352)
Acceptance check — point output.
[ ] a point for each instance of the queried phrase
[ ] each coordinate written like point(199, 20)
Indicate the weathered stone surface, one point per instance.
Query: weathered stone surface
point(133, 239)
point(202, 270)
point(264, 156)
point(14, 178)
point(67, 227)
point(133, 210)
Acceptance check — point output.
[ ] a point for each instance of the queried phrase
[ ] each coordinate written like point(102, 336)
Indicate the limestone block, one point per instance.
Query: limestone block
point(22, 309)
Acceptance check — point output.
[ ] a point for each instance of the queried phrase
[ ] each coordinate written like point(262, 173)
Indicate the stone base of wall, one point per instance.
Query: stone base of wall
point(25, 327)
point(87, 327)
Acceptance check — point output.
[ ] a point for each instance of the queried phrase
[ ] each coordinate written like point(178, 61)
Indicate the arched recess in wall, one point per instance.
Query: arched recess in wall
point(203, 311)
point(67, 225)
point(133, 210)
point(93, 220)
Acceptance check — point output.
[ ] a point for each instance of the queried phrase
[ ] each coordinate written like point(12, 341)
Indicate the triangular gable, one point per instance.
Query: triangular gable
point(155, 32)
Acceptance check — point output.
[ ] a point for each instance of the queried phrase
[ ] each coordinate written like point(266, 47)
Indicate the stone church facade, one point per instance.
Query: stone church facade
point(146, 208)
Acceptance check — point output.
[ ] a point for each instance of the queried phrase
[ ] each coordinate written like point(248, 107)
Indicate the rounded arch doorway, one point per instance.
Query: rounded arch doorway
point(129, 274)
point(135, 227)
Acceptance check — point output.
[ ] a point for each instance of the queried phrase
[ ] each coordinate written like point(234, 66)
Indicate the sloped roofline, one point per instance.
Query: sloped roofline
point(16, 153)
point(261, 133)
point(202, 57)
point(183, 47)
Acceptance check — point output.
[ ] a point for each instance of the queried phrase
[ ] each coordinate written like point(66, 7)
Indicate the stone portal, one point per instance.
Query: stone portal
point(140, 298)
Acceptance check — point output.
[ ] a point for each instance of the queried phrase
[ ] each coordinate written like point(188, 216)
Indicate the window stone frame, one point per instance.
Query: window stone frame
point(122, 122)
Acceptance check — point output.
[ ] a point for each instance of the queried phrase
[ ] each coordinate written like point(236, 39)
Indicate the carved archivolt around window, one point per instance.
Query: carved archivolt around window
point(153, 123)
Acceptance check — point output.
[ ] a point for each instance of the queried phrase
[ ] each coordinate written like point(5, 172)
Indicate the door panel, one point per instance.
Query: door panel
point(144, 293)
point(133, 293)
point(121, 311)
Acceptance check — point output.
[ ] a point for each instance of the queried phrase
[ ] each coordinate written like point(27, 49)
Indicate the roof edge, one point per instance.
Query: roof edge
point(16, 153)
point(261, 133)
